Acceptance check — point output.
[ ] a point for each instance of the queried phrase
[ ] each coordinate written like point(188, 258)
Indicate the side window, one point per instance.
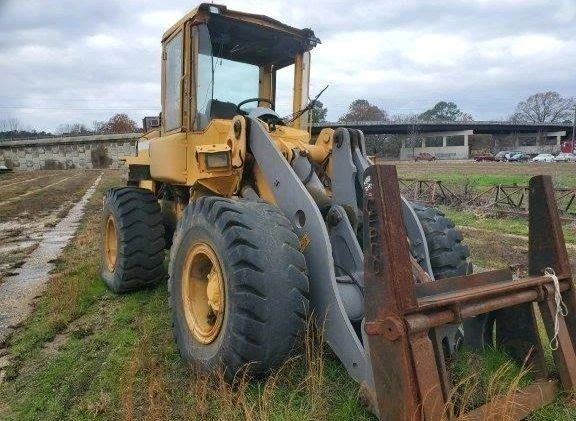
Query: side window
point(204, 77)
point(173, 83)
point(284, 90)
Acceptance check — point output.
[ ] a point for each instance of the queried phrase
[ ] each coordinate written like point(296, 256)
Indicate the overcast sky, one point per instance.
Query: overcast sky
point(66, 61)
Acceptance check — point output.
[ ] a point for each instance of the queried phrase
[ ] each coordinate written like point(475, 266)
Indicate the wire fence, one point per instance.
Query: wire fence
point(510, 199)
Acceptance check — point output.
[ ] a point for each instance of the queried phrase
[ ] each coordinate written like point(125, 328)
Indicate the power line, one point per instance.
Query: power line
point(21, 107)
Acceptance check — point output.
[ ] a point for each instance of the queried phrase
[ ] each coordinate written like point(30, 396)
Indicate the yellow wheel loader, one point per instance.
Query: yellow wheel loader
point(265, 225)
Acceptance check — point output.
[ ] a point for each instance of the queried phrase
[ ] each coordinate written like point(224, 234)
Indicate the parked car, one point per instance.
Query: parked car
point(519, 157)
point(543, 157)
point(500, 156)
point(484, 157)
point(565, 157)
point(424, 156)
point(510, 154)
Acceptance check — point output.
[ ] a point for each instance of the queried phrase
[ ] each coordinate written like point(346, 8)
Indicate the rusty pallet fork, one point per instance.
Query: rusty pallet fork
point(401, 316)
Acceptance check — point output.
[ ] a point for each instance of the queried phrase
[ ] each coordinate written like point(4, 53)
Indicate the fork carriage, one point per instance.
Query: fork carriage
point(410, 374)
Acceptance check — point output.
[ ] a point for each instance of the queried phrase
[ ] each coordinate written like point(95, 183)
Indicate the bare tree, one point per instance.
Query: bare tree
point(414, 137)
point(13, 124)
point(10, 127)
point(414, 133)
point(98, 126)
point(544, 107)
point(72, 129)
point(10, 124)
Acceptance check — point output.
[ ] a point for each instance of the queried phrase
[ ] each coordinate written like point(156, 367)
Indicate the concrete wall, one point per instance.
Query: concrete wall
point(462, 152)
point(440, 152)
point(83, 152)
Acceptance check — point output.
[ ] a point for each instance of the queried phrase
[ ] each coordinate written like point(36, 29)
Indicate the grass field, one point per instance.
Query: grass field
point(484, 232)
point(487, 173)
point(86, 353)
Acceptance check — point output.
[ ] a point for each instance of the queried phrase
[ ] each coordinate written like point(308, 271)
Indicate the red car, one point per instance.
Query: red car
point(424, 156)
point(484, 157)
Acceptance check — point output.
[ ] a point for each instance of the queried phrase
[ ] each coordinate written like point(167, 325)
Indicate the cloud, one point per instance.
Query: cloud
point(79, 61)
point(161, 18)
point(103, 41)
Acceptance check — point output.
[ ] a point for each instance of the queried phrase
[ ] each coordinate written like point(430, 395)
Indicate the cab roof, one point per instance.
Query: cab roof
point(248, 38)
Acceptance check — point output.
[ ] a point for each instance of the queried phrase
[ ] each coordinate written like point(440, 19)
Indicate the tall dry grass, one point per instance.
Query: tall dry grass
point(146, 392)
point(478, 388)
point(144, 385)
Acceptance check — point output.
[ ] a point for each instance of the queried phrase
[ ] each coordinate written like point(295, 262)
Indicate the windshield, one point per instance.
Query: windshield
point(221, 83)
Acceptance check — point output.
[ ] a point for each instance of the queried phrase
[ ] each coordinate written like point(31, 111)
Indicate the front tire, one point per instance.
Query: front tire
point(238, 286)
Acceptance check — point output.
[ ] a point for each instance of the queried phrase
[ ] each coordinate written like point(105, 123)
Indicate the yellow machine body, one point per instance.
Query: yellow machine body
point(208, 155)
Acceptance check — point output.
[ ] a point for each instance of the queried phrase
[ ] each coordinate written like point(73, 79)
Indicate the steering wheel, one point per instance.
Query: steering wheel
point(246, 101)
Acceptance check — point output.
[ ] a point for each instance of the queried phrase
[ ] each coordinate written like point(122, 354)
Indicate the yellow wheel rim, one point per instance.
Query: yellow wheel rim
point(203, 293)
point(111, 243)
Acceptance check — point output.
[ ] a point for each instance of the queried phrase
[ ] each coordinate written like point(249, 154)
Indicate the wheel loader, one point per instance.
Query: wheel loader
point(265, 226)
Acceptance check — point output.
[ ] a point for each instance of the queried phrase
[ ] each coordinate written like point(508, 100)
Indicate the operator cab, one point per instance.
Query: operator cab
point(219, 63)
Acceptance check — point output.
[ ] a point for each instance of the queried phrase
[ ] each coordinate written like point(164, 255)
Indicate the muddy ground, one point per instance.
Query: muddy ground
point(31, 203)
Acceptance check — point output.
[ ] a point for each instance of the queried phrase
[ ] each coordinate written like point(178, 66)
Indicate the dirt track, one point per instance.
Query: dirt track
point(30, 204)
point(19, 290)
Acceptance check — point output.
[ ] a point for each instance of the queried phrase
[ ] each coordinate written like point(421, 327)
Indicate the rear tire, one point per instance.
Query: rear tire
point(132, 255)
point(448, 256)
point(265, 288)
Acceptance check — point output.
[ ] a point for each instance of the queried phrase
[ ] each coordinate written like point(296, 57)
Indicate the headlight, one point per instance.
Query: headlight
point(217, 160)
point(216, 157)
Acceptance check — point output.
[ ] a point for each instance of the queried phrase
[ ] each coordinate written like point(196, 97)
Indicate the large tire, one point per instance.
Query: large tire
point(133, 215)
point(448, 256)
point(264, 281)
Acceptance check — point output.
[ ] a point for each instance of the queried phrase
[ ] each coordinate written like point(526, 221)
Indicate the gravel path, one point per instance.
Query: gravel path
point(17, 292)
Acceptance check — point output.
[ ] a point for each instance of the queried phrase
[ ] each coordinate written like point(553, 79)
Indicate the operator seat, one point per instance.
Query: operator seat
point(220, 109)
point(216, 109)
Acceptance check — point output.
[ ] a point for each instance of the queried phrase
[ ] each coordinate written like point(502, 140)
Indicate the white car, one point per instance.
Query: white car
point(543, 157)
point(565, 157)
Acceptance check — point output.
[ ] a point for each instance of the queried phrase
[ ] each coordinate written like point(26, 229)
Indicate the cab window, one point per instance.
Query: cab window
point(220, 83)
point(173, 83)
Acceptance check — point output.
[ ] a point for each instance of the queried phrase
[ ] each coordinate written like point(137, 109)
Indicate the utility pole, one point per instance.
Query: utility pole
point(573, 129)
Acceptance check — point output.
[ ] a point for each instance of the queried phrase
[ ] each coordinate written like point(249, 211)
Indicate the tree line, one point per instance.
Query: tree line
point(542, 107)
point(12, 129)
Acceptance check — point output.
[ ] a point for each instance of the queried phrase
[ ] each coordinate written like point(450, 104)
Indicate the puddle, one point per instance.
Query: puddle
point(18, 291)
